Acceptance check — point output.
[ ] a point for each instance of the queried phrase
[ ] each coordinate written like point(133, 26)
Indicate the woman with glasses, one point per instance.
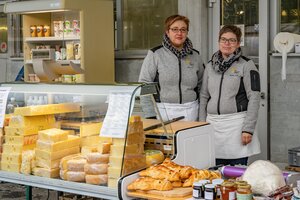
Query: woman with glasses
point(178, 70)
point(229, 100)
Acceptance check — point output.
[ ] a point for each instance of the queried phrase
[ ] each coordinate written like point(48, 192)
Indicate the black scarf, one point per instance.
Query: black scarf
point(187, 47)
point(220, 64)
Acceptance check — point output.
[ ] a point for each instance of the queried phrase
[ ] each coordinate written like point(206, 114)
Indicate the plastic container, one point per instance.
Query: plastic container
point(12, 104)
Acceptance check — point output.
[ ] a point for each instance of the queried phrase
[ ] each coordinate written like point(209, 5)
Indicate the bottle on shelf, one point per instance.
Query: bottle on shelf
point(29, 101)
point(12, 104)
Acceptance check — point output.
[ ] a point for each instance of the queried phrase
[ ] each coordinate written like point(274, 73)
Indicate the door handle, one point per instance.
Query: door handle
point(262, 95)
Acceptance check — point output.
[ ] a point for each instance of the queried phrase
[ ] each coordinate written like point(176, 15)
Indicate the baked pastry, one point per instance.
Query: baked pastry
point(176, 184)
point(160, 172)
point(148, 183)
point(196, 176)
point(184, 171)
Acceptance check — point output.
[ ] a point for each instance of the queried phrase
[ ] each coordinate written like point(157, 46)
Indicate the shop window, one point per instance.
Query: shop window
point(290, 16)
point(3, 33)
point(143, 22)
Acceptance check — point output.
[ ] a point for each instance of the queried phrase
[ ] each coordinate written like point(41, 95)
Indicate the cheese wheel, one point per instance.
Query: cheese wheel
point(76, 165)
point(95, 168)
point(97, 158)
point(75, 176)
point(96, 179)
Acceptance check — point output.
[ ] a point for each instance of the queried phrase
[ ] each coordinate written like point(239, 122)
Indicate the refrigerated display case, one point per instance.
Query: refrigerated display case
point(87, 119)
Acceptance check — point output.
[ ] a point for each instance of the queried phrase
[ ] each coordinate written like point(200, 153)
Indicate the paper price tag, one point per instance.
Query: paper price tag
point(4, 91)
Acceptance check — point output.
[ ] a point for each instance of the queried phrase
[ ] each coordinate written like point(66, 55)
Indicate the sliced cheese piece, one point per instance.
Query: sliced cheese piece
point(48, 155)
point(96, 179)
point(48, 109)
point(72, 141)
point(95, 169)
point(26, 166)
point(114, 172)
point(22, 139)
point(17, 131)
point(53, 135)
point(112, 182)
point(135, 127)
point(104, 147)
point(17, 148)
point(97, 158)
point(44, 172)
point(135, 138)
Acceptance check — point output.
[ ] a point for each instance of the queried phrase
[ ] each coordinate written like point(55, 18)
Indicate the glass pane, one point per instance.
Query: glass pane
point(143, 22)
point(243, 13)
point(290, 16)
point(3, 33)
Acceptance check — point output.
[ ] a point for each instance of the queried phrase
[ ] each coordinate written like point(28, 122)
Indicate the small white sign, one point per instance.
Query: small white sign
point(4, 91)
point(116, 119)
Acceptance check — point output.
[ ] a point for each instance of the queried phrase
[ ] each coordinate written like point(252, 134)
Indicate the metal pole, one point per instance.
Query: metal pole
point(28, 193)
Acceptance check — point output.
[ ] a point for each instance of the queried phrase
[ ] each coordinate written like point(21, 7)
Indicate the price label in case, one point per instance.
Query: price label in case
point(4, 91)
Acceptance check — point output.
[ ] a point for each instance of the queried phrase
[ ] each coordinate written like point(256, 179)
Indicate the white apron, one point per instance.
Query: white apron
point(189, 110)
point(228, 136)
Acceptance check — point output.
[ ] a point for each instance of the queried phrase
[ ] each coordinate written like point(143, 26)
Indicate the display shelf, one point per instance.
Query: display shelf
point(62, 62)
point(48, 39)
point(60, 185)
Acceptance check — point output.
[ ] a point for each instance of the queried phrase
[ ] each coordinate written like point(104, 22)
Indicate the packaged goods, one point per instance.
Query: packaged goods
point(70, 51)
point(47, 30)
point(40, 30)
point(75, 176)
point(95, 169)
point(100, 179)
point(33, 31)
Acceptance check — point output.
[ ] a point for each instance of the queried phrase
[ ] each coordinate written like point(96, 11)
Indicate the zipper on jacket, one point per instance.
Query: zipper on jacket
point(180, 92)
point(220, 91)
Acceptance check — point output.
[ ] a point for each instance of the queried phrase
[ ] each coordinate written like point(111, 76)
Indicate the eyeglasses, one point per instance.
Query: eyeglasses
point(230, 40)
point(176, 30)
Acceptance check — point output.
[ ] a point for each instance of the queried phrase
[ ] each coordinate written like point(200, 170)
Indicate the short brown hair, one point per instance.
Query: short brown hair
point(233, 29)
point(173, 18)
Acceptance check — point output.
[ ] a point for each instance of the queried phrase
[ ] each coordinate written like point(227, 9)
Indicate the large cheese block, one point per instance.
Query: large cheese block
point(41, 122)
point(72, 141)
point(21, 139)
point(135, 127)
point(48, 109)
point(17, 131)
point(135, 138)
point(114, 172)
point(49, 173)
point(117, 150)
point(104, 147)
point(90, 140)
point(12, 158)
point(48, 164)
point(17, 148)
point(27, 162)
point(53, 135)
point(83, 129)
point(112, 182)
point(95, 169)
point(48, 155)
point(10, 167)
point(100, 179)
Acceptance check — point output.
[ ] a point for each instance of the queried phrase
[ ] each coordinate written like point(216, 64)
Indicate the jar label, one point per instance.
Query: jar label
point(209, 195)
point(232, 195)
point(196, 193)
point(244, 196)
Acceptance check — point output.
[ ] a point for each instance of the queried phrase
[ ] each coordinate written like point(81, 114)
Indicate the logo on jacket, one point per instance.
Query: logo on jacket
point(234, 71)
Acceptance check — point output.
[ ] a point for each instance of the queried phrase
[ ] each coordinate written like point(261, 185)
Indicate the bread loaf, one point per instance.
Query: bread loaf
point(147, 183)
point(160, 172)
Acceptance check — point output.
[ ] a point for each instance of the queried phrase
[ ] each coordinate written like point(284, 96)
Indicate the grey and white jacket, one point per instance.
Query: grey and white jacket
point(235, 90)
point(179, 79)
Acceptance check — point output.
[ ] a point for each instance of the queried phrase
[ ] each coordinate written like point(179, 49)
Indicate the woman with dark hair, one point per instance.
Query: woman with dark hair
point(178, 69)
point(229, 100)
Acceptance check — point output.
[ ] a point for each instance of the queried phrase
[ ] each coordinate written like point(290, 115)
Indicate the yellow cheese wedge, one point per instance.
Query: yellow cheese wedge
point(49, 173)
point(16, 131)
point(104, 147)
point(117, 150)
point(72, 141)
point(42, 122)
point(10, 167)
point(12, 158)
point(53, 135)
point(48, 155)
point(114, 172)
point(17, 148)
point(47, 109)
point(112, 182)
point(22, 139)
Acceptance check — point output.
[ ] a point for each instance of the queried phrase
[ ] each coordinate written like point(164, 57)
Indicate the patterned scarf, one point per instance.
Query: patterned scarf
point(187, 47)
point(220, 64)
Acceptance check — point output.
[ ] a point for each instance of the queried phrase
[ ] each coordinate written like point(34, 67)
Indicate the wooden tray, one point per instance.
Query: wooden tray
point(175, 194)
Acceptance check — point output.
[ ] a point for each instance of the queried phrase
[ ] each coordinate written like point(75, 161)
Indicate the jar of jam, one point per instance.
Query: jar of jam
point(197, 190)
point(244, 192)
point(217, 182)
point(210, 192)
point(228, 191)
